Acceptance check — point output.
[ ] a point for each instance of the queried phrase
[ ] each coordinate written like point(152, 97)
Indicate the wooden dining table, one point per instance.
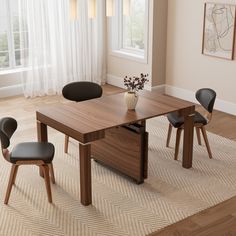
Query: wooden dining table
point(88, 122)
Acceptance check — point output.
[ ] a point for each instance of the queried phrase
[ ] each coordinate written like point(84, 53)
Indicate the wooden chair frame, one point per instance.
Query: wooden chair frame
point(198, 127)
point(66, 143)
point(47, 170)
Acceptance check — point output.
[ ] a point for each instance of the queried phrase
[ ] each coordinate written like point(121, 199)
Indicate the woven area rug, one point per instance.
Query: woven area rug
point(120, 207)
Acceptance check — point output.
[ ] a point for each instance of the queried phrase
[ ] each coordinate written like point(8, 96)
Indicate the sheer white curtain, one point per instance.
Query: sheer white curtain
point(61, 50)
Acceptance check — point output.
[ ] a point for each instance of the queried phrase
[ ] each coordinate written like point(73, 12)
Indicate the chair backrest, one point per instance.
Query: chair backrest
point(206, 98)
point(81, 91)
point(8, 126)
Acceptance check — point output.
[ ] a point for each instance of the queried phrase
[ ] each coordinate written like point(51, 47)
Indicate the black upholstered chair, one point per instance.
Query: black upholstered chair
point(28, 153)
point(206, 97)
point(78, 92)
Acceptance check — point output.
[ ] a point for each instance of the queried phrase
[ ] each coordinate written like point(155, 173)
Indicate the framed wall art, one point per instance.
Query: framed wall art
point(219, 30)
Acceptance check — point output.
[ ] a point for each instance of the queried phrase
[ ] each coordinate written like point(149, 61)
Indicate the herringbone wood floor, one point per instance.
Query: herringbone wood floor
point(219, 220)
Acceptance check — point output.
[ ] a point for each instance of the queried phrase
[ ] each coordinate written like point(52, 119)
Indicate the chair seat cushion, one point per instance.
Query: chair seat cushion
point(32, 151)
point(177, 121)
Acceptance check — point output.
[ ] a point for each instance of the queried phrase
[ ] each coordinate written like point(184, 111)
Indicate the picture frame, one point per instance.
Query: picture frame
point(219, 30)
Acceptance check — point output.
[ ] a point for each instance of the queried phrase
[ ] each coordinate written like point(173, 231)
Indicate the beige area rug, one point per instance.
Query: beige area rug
point(120, 207)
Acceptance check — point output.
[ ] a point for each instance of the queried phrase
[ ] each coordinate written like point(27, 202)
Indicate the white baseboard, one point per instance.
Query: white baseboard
point(119, 82)
point(159, 88)
point(225, 106)
point(115, 81)
point(180, 93)
point(188, 95)
point(11, 91)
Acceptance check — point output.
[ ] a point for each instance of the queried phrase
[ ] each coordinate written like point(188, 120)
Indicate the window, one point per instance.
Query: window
point(13, 36)
point(4, 50)
point(130, 32)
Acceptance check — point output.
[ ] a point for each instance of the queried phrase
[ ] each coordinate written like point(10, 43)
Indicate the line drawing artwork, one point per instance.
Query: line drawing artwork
point(219, 30)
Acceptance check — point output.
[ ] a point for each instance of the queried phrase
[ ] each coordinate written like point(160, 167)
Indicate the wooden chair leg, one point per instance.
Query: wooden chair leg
point(14, 177)
point(178, 135)
point(168, 135)
point(198, 135)
point(51, 170)
point(206, 141)
point(10, 183)
point(66, 144)
point(47, 182)
point(41, 171)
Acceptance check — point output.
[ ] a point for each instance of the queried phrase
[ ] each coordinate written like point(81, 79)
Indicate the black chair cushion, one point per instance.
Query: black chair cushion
point(32, 151)
point(82, 91)
point(177, 121)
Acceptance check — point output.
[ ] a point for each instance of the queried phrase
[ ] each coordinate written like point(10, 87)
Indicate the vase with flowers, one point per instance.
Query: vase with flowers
point(133, 85)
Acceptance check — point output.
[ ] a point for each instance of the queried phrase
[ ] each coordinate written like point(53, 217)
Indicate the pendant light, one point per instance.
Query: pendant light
point(92, 8)
point(126, 7)
point(73, 9)
point(110, 8)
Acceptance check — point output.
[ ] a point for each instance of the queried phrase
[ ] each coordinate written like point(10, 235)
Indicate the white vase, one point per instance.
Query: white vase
point(131, 99)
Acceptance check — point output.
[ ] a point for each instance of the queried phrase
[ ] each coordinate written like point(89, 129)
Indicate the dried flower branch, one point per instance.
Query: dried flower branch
point(133, 84)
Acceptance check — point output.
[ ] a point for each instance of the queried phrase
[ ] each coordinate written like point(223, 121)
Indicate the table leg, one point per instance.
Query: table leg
point(42, 137)
point(85, 174)
point(188, 140)
point(42, 132)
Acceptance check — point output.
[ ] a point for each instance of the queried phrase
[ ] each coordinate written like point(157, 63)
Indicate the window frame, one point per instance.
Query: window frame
point(11, 40)
point(116, 36)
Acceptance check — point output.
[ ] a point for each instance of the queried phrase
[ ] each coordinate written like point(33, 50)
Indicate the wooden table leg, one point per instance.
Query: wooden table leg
point(42, 132)
point(85, 174)
point(42, 137)
point(188, 139)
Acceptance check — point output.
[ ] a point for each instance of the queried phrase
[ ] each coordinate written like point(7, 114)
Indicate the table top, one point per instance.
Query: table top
point(87, 121)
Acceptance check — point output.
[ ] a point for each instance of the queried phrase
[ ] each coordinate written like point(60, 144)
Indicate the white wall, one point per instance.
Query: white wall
point(10, 84)
point(187, 68)
point(160, 13)
point(118, 68)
